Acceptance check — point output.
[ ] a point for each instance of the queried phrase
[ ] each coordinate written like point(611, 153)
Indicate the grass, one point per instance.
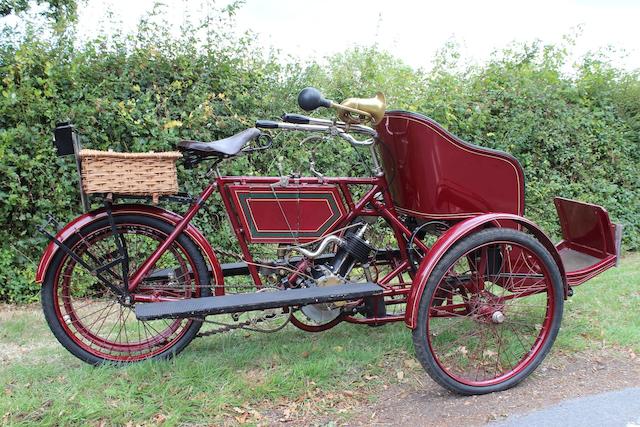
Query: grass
point(604, 310)
point(249, 377)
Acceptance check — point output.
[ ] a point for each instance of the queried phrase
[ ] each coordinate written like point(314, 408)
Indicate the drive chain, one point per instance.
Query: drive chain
point(241, 325)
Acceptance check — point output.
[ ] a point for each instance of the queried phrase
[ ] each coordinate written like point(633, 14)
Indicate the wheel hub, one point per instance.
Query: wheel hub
point(497, 317)
point(487, 308)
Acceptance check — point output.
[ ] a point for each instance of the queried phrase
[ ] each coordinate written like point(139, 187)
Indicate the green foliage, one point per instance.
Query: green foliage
point(576, 135)
point(17, 282)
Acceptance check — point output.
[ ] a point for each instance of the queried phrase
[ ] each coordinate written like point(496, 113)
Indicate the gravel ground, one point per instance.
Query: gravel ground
point(559, 378)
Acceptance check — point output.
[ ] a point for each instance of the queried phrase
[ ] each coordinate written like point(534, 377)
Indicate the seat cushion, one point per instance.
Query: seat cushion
point(223, 147)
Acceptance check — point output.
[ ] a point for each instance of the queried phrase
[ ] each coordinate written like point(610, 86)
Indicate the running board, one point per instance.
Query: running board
point(236, 303)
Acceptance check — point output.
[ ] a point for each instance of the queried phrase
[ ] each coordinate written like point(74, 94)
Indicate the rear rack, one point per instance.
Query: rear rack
point(67, 142)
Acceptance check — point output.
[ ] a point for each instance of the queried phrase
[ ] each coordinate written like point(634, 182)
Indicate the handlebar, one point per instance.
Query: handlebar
point(296, 122)
point(266, 124)
point(296, 118)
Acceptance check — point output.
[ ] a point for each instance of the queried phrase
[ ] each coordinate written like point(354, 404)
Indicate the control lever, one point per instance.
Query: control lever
point(298, 119)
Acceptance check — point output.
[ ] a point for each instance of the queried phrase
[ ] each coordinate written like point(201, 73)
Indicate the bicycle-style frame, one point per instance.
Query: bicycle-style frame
point(376, 202)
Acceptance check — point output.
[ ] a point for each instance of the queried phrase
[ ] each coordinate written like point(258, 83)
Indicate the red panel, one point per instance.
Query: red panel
point(589, 246)
point(295, 213)
point(433, 174)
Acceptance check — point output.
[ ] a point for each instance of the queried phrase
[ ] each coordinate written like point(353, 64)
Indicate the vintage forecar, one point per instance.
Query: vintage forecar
point(435, 237)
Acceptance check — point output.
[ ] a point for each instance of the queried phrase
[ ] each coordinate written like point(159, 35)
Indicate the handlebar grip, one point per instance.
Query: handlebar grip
point(266, 124)
point(298, 119)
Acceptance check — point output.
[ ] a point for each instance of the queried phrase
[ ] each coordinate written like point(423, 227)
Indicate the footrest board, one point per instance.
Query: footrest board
point(591, 242)
point(237, 303)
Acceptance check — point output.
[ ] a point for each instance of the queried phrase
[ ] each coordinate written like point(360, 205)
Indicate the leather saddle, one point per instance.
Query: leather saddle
point(226, 147)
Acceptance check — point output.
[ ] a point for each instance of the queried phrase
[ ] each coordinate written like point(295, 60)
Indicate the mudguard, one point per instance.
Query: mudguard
point(453, 235)
point(125, 209)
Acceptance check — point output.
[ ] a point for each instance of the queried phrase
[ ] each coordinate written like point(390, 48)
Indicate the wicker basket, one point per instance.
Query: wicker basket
point(139, 174)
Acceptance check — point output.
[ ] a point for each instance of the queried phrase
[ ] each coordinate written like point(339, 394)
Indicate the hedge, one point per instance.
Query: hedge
point(577, 133)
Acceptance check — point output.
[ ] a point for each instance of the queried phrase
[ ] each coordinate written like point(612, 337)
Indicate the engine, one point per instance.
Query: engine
point(353, 249)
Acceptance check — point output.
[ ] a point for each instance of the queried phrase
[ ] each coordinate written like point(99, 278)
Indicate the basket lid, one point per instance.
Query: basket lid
point(149, 155)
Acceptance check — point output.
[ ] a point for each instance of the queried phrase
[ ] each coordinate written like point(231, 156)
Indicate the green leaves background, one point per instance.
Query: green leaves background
point(576, 132)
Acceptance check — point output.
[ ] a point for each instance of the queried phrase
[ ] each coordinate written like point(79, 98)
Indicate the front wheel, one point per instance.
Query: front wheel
point(490, 312)
point(92, 322)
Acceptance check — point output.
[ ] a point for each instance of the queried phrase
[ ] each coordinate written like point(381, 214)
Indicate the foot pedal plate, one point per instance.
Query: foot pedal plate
point(237, 303)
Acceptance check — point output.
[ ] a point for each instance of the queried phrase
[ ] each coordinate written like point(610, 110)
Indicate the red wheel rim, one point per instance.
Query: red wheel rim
point(485, 328)
point(91, 331)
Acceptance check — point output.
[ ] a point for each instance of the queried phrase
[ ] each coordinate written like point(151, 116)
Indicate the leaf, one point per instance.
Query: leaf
point(411, 363)
point(172, 124)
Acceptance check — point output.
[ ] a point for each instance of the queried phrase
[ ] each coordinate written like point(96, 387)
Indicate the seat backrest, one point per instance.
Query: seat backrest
point(435, 175)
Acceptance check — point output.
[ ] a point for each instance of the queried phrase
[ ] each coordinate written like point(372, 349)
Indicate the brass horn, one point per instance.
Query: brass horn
point(364, 108)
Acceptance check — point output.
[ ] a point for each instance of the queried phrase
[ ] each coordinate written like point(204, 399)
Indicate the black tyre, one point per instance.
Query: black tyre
point(489, 313)
point(92, 323)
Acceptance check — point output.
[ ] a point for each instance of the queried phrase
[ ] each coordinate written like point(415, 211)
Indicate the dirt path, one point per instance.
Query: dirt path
point(559, 378)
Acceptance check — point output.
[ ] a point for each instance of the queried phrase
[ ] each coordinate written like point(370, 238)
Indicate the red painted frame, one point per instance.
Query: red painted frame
point(375, 202)
point(368, 205)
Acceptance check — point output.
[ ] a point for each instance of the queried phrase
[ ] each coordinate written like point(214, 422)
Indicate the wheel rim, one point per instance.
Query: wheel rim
point(491, 314)
point(94, 318)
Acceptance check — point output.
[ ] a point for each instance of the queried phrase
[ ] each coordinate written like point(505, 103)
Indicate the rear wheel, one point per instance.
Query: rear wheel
point(92, 322)
point(489, 313)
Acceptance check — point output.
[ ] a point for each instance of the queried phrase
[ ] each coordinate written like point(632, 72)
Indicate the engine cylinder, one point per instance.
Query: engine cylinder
point(355, 249)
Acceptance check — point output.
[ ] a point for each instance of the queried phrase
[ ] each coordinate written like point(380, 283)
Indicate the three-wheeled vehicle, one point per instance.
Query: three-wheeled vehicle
point(434, 237)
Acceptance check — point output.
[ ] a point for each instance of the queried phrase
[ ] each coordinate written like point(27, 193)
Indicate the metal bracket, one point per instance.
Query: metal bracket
point(67, 141)
point(96, 272)
point(84, 199)
point(618, 242)
point(123, 254)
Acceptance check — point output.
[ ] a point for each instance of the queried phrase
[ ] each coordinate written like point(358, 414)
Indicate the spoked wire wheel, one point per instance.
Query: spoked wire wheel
point(490, 312)
point(96, 324)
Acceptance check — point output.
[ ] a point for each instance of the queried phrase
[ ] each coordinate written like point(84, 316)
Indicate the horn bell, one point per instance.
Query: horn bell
point(364, 108)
